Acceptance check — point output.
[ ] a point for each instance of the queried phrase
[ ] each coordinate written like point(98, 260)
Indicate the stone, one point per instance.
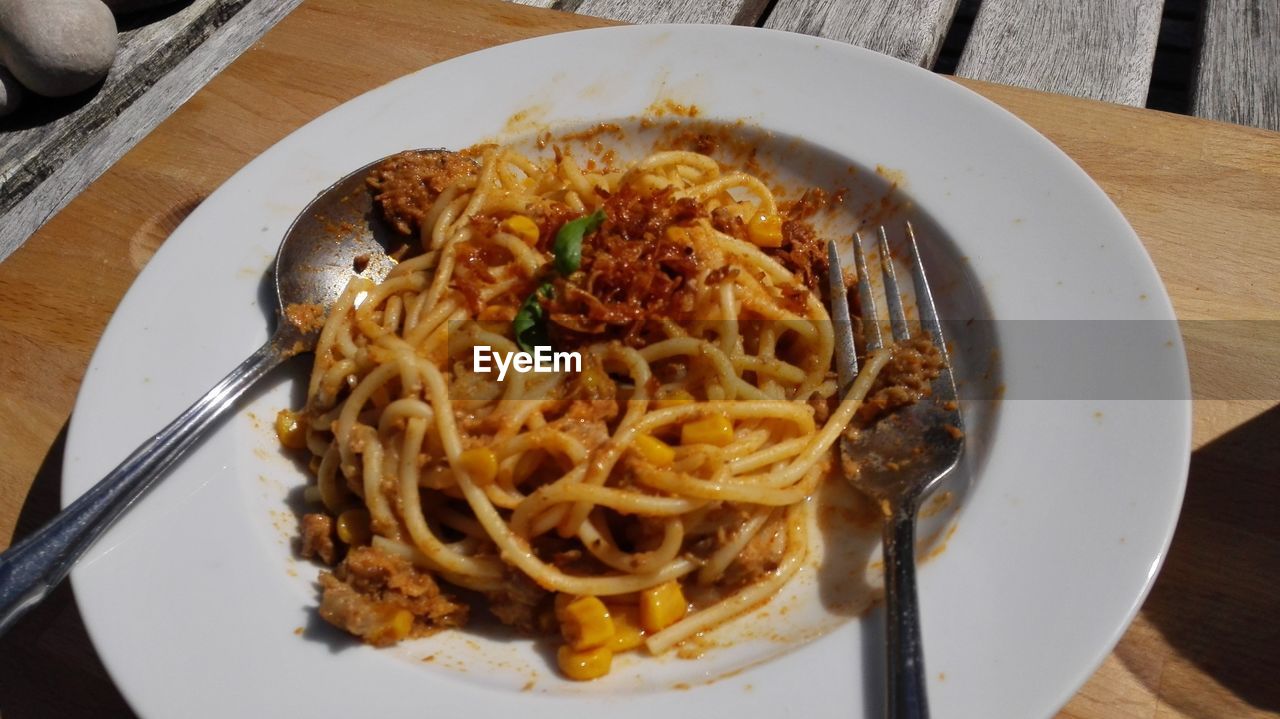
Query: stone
point(10, 93)
point(57, 47)
point(123, 7)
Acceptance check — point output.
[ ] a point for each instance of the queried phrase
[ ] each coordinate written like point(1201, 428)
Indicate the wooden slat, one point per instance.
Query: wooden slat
point(52, 149)
point(1239, 78)
point(1199, 649)
point(737, 12)
point(1100, 49)
point(910, 30)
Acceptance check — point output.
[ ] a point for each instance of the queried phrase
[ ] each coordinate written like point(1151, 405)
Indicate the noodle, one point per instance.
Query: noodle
point(679, 460)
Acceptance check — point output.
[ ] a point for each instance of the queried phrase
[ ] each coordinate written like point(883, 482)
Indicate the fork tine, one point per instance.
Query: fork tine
point(870, 317)
point(892, 295)
point(842, 325)
point(924, 304)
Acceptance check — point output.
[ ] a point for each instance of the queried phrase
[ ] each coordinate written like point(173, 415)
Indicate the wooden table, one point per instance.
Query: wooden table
point(1203, 196)
point(51, 149)
point(1224, 54)
point(1218, 59)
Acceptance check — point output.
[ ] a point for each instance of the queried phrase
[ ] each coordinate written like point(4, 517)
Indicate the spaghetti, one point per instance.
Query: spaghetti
point(657, 493)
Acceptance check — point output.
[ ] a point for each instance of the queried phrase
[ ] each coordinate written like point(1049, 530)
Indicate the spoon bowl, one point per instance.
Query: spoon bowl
point(336, 237)
point(339, 235)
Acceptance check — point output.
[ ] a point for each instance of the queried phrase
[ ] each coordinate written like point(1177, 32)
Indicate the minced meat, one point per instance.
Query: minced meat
point(369, 592)
point(317, 538)
point(406, 184)
point(905, 379)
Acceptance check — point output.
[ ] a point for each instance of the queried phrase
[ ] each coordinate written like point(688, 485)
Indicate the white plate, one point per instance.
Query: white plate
point(192, 600)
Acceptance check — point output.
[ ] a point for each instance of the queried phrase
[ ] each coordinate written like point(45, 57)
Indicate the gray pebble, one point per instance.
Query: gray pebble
point(57, 47)
point(10, 93)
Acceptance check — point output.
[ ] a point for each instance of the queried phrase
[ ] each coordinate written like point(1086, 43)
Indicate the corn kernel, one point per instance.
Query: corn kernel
point(354, 527)
point(716, 430)
point(672, 399)
point(291, 429)
point(679, 235)
point(401, 624)
point(765, 230)
point(522, 227)
point(562, 600)
point(480, 463)
point(662, 606)
point(741, 210)
point(627, 633)
point(586, 623)
point(654, 450)
point(583, 665)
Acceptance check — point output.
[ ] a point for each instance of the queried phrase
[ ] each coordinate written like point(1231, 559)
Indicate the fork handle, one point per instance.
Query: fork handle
point(905, 678)
point(30, 569)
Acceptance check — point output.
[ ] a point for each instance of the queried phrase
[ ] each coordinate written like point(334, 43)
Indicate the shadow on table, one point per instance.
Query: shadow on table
point(126, 22)
point(37, 111)
point(48, 666)
point(1216, 601)
point(46, 659)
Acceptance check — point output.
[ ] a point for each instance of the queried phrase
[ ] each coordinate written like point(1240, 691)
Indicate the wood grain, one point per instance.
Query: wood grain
point(910, 30)
point(724, 12)
point(52, 149)
point(1099, 49)
point(1239, 77)
point(1200, 194)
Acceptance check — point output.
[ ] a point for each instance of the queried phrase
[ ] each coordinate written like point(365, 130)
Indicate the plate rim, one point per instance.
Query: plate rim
point(74, 434)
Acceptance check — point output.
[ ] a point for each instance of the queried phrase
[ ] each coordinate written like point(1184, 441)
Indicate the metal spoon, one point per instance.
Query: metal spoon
point(314, 263)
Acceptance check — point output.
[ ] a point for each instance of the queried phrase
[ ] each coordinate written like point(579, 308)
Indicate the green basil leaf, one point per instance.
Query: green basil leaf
point(529, 325)
point(568, 245)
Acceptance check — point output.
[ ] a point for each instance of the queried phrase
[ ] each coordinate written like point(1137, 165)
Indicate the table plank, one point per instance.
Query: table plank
point(723, 12)
point(159, 65)
point(1239, 78)
point(910, 30)
point(1194, 651)
point(1200, 194)
point(1099, 49)
point(48, 131)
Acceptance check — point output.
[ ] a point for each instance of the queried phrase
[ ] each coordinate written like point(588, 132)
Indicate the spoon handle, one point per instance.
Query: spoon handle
point(30, 569)
point(907, 695)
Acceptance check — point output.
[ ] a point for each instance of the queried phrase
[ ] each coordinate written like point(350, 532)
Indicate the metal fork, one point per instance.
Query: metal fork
point(914, 448)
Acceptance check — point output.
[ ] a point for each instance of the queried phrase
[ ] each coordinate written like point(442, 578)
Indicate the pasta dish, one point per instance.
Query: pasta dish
point(656, 490)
